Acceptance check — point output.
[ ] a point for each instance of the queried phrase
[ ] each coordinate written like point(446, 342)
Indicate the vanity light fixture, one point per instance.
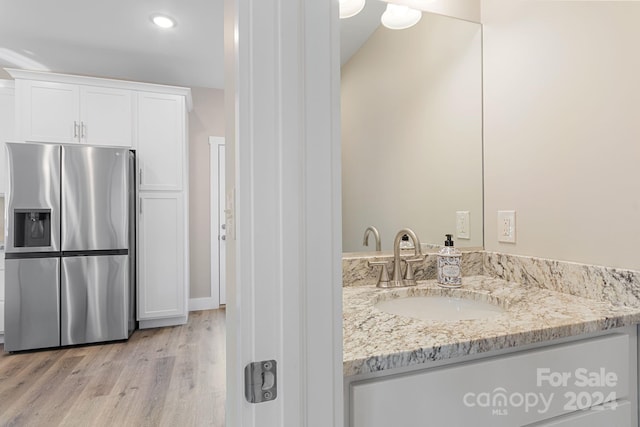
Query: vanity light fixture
point(399, 17)
point(163, 21)
point(349, 8)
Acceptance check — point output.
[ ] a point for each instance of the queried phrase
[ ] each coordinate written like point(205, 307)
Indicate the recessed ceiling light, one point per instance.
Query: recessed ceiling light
point(163, 21)
point(349, 8)
point(399, 17)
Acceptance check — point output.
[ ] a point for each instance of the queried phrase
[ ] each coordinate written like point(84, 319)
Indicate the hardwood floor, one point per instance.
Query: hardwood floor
point(160, 377)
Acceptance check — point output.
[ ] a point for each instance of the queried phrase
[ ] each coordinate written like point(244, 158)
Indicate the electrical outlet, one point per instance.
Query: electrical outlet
point(462, 225)
point(507, 226)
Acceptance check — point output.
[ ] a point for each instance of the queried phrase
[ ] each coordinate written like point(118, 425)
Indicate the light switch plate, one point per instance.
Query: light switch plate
point(507, 226)
point(462, 225)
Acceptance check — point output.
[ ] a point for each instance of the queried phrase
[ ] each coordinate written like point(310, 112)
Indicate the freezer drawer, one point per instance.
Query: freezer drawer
point(94, 299)
point(32, 309)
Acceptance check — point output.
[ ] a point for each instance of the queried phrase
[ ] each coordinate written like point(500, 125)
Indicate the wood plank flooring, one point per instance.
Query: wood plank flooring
point(161, 377)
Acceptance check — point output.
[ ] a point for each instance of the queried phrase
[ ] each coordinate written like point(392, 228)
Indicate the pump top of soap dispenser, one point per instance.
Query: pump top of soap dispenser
point(448, 248)
point(448, 242)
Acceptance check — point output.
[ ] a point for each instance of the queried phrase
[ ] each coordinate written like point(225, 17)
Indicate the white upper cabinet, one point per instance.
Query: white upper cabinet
point(67, 113)
point(106, 116)
point(49, 112)
point(161, 136)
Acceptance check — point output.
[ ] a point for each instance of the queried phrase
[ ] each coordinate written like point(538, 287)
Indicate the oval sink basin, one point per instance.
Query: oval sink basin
point(434, 307)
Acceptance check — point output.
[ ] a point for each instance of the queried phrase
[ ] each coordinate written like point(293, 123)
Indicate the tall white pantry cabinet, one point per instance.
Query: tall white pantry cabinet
point(150, 118)
point(7, 123)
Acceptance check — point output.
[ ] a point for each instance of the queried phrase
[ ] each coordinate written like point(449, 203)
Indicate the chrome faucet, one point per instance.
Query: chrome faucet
point(376, 234)
point(409, 279)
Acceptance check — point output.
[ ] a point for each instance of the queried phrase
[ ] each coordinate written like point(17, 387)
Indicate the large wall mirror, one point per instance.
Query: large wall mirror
point(412, 130)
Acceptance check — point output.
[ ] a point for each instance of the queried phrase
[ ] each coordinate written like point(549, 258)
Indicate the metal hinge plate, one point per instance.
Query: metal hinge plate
point(260, 383)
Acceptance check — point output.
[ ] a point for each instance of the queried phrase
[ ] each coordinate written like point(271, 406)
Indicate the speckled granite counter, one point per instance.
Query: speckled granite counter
point(376, 341)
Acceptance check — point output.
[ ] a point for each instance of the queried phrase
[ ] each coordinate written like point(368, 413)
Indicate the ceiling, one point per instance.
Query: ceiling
point(115, 38)
point(356, 30)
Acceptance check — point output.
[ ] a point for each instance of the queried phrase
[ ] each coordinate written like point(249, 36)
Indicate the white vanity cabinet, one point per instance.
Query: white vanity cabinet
point(67, 113)
point(586, 382)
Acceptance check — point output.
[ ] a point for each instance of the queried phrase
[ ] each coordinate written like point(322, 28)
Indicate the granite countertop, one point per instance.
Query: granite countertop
point(376, 341)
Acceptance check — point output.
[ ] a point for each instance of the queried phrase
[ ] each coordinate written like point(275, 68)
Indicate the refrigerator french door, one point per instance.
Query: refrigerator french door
point(76, 203)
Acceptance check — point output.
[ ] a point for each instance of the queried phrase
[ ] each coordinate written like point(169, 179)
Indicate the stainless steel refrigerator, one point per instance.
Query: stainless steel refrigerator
point(69, 246)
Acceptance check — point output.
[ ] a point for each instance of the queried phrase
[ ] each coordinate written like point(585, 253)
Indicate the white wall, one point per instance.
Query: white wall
point(412, 133)
point(205, 120)
point(562, 128)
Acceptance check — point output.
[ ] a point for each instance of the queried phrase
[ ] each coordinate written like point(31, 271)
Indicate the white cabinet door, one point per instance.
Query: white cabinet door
point(64, 113)
point(1, 293)
point(106, 116)
point(161, 262)
point(161, 141)
point(7, 125)
point(49, 111)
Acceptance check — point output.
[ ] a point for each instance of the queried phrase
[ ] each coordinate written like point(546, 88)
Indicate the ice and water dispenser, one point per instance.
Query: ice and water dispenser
point(32, 228)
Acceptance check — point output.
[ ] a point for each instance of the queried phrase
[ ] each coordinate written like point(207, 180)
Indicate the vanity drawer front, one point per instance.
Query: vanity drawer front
point(515, 389)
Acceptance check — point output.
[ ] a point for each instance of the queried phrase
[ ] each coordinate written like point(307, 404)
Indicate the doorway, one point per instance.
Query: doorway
point(218, 221)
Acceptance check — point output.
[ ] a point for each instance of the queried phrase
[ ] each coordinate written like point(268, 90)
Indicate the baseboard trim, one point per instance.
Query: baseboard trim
point(198, 304)
point(161, 323)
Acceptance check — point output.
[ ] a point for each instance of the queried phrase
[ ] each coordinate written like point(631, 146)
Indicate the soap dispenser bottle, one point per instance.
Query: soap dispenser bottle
point(449, 265)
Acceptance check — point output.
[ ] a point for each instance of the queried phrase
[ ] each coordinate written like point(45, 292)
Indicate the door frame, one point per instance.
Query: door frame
point(283, 189)
point(214, 143)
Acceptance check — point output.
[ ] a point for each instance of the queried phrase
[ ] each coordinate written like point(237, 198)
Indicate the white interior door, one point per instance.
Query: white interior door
point(218, 226)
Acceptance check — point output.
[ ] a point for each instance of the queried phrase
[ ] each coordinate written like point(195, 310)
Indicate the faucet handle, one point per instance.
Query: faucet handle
point(383, 277)
point(409, 273)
